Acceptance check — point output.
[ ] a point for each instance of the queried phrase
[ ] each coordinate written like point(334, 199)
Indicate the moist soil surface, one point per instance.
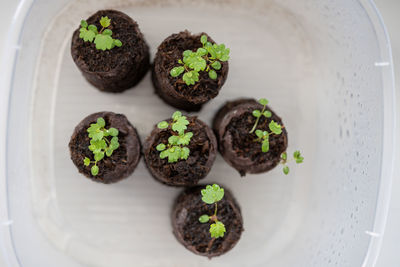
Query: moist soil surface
point(240, 148)
point(195, 236)
point(203, 150)
point(123, 160)
point(128, 63)
point(173, 89)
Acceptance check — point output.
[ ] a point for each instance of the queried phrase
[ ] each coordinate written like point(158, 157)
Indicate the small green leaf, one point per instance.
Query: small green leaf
point(204, 218)
point(267, 114)
point(259, 134)
point(107, 32)
point(216, 65)
point(297, 156)
point(160, 147)
point(263, 101)
point(84, 23)
point(185, 139)
point(164, 154)
point(109, 152)
point(162, 125)
point(86, 161)
point(117, 43)
point(86, 35)
point(176, 115)
point(105, 22)
point(98, 156)
point(203, 39)
point(256, 113)
point(212, 74)
point(285, 169)
point(93, 28)
point(275, 127)
point(185, 152)
point(187, 53)
point(212, 194)
point(265, 146)
point(175, 72)
point(201, 51)
point(191, 77)
point(94, 170)
point(103, 42)
point(173, 140)
point(113, 132)
point(101, 122)
point(217, 230)
point(284, 156)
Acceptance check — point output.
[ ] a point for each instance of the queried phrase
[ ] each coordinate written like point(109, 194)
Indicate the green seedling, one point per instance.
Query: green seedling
point(259, 113)
point(207, 58)
point(176, 149)
point(263, 136)
point(103, 142)
point(297, 157)
point(211, 195)
point(102, 38)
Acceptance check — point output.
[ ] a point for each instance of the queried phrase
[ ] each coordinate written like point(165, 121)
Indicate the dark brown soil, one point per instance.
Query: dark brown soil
point(117, 69)
point(239, 148)
point(203, 150)
point(122, 162)
point(174, 91)
point(195, 236)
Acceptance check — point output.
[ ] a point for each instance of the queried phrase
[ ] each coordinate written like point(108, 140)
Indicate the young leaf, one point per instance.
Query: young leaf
point(212, 194)
point(175, 72)
point(263, 101)
point(93, 28)
point(99, 156)
point(109, 152)
point(117, 43)
point(185, 139)
point(217, 230)
point(162, 125)
point(275, 127)
point(212, 74)
point(284, 156)
point(84, 24)
point(267, 114)
point(176, 115)
point(160, 147)
point(86, 35)
point(103, 42)
point(297, 156)
point(86, 161)
point(94, 170)
point(265, 145)
point(256, 113)
point(185, 153)
point(285, 169)
point(105, 22)
point(204, 218)
point(259, 134)
point(113, 132)
point(173, 140)
point(216, 65)
point(203, 39)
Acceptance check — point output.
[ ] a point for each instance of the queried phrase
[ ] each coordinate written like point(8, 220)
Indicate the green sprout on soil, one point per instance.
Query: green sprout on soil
point(296, 157)
point(259, 113)
point(103, 142)
point(263, 136)
point(211, 195)
point(102, 38)
point(176, 149)
point(207, 58)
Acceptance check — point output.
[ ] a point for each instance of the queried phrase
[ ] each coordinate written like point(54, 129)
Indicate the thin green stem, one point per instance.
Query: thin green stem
point(257, 120)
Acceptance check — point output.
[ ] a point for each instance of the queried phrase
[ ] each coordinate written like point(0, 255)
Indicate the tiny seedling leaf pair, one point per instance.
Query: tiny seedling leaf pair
point(207, 58)
point(297, 157)
point(176, 149)
point(211, 195)
point(273, 127)
point(103, 38)
point(103, 142)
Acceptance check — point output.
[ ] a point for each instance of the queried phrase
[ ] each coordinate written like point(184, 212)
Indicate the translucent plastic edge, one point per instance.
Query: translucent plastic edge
point(389, 135)
point(7, 70)
point(12, 46)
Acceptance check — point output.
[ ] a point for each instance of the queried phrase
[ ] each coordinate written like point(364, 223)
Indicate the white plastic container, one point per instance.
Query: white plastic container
point(324, 65)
